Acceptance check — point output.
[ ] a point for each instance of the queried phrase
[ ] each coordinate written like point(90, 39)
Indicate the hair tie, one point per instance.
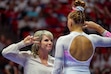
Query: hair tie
point(73, 9)
point(78, 8)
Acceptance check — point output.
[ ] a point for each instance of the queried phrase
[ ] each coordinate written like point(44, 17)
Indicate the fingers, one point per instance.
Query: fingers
point(35, 40)
point(28, 37)
point(86, 22)
point(84, 27)
point(31, 39)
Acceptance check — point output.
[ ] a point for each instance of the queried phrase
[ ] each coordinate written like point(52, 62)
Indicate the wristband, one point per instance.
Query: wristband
point(106, 34)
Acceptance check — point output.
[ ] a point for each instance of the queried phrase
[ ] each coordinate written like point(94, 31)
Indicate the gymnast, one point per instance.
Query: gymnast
point(74, 51)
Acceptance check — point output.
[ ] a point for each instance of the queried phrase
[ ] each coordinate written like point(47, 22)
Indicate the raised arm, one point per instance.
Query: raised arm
point(13, 53)
point(98, 28)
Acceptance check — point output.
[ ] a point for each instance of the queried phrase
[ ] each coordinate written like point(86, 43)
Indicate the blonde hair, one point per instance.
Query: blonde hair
point(77, 15)
point(40, 33)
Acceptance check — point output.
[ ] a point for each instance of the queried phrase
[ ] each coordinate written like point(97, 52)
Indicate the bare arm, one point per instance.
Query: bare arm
point(98, 28)
point(95, 26)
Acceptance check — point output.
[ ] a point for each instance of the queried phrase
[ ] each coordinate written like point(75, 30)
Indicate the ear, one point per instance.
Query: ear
point(71, 23)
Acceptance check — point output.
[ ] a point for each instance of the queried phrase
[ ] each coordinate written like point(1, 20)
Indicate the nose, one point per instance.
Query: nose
point(50, 42)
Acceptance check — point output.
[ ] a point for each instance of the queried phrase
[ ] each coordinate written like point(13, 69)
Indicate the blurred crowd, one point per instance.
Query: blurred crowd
point(19, 18)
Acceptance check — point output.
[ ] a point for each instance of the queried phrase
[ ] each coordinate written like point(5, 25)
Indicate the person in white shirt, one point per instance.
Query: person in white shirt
point(36, 61)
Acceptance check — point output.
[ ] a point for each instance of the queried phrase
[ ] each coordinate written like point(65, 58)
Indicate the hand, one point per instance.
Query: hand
point(94, 26)
point(30, 40)
point(91, 25)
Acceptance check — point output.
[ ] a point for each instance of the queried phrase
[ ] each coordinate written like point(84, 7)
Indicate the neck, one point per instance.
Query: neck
point(77, 28)
point(42, 54)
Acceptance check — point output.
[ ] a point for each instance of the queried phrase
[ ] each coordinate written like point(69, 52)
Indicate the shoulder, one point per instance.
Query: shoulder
point(94, 35)
point(60, 40)
point(62, 37)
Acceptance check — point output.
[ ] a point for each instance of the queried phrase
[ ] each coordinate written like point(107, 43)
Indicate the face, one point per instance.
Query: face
point(46, 43)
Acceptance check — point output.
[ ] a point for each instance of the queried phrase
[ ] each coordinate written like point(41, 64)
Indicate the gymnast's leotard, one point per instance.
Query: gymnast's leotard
point(65, 63)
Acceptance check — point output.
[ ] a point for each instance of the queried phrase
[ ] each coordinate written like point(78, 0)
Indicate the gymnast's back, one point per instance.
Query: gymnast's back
point(76, 50)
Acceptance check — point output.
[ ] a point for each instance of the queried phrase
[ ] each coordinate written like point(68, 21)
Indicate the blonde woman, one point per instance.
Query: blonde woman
point(36, 61)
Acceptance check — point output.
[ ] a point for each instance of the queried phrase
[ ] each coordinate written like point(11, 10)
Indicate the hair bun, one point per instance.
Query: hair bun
point(78, 3)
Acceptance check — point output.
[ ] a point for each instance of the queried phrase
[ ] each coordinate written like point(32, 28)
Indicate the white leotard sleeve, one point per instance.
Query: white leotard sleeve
point(100, 41)
point(59, 58)
point(13, 53)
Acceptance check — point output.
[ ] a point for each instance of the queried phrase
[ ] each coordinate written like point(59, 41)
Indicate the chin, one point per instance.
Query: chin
point(49, 50)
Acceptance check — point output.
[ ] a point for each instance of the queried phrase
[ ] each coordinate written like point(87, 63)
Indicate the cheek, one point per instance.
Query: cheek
point(42, 45)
